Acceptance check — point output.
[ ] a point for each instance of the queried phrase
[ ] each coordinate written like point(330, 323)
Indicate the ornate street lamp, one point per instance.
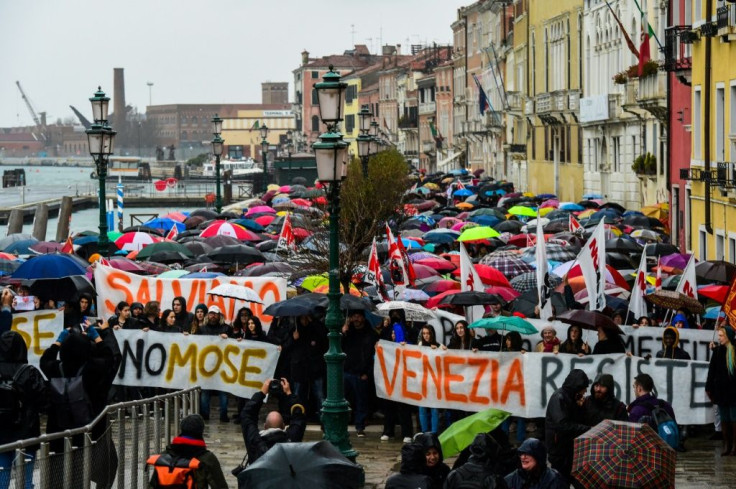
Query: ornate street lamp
point(364, 139)
point(331, 153)
point(264, 155)
point(101, 139)
point(217, 144)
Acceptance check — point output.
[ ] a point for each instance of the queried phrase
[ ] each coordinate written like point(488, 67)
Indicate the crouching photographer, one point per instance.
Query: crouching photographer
point(258, 442)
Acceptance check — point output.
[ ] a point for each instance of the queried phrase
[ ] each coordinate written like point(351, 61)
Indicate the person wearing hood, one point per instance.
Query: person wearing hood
point(480, 469)
point(670, 345)
point(533, 472)
point(183, 317)
point(602, 403)
point(562, 425)
point(680, 321)
point(32, 392)
point(274, 429)
point(190, 444)
point(608, 342)
point(87, 353)
point(200, 317)
point(422, 464)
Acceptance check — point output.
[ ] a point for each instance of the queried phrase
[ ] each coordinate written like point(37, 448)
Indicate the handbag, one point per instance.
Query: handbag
point(241, 466)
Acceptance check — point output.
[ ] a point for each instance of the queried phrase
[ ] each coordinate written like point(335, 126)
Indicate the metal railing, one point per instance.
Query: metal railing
point(133, 430)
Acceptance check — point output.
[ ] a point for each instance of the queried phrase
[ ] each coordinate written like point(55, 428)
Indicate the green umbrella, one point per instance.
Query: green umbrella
point(506, 323)
point(173, 274)
point(520, 210)
point(113, 235)
point(460, 434)
point(164, 246)
point(478, 232)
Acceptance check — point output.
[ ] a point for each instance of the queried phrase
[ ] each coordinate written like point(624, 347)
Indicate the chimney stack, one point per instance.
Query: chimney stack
point(305, 57)
point(118, 98)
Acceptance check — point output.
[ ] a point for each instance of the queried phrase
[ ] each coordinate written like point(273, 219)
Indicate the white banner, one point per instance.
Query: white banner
point(177, 361)
point(115, 285)
point(39, 330)
point(523, 383)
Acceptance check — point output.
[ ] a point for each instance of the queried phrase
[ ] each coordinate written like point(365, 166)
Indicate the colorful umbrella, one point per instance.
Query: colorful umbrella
point(439, 264)
point(260, 209)
point(506, 323)
point(478, 233)
point(226, 228)
point(520, 210)
point(506, 293)
point(670, 299)
point(460, 434)
point(617, 454)
point(511, 265)
point(488, 275)
point(135, 241)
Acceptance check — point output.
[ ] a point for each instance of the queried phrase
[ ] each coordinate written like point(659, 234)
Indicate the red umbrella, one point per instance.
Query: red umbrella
point(265, 220)
point(439, 264)
point(441, 286)
point(301, 233)
point(301, 202)
point(226, 228)
point(488, 275)
point(453, 257)
point(127, 265)
point(176, 216)
point(506, 293)
point(716, 292)
point(423, 271)
point(7, 256)
point(435, 301)
point(612, 276)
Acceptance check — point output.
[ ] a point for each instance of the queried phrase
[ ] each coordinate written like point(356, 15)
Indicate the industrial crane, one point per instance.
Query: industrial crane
point(40, 122)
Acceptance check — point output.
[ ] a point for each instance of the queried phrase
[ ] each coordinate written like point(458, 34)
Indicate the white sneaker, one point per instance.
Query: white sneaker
point(407, 439)
point(384, 437)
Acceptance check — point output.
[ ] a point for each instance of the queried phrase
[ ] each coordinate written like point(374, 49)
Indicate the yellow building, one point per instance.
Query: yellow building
point(351, 125)
point(554, 54)
point(242, 136)
point(710, 205)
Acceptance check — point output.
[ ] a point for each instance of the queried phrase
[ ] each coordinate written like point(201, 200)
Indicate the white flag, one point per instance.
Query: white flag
point(470, 280)
point(544, 287)
point(688, 284)
point(592, 259)
point(637, 304)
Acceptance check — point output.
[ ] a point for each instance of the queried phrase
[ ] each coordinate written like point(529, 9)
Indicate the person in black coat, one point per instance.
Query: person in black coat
point(184, 318)
point(73, 352)
point(533, 472)
point(422, 465)
point(214, 326)
point(358, 344)
point(481, 469)
point(279, 334)
point(308, 345)
point(563, 420)
point(608, 342)
point(721, 385)
point(32, 394)
point(274, 430)
point(602, 403)
point(670, 345)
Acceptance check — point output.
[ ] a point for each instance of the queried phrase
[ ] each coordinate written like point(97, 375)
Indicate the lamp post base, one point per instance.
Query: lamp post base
point(335, 418)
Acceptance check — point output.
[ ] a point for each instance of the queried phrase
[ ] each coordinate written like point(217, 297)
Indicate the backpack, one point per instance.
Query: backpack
point(173, 472)
point(467, 478)
point(72, 406)
point(661, 421)
point(11, 398)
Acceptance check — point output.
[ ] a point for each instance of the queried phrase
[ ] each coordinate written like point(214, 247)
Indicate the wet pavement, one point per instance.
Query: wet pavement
point(701, 466)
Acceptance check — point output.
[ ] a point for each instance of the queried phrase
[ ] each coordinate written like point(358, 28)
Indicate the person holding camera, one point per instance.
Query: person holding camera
point(274, 429)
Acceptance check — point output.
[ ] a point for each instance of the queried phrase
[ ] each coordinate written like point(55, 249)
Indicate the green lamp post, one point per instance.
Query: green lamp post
point(364, 139)
point(217, 144)
point(264, 155)
point(101, 138)
point(331, 154)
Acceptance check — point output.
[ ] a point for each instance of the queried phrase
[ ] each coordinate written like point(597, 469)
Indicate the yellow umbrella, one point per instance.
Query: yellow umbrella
point(585, 214)
point(543, 211)
point(464, 205)
point(431, 186)
point(273, 186)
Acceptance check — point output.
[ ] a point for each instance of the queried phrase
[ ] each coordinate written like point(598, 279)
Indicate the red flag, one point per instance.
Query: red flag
point(68, 246)
point(374, 275)
point(459, 186)
point(412, 276)
point(287, 239)
point(574, 224)
point(173, 232)
point(397, 265)
point(729, 307)
point(629, 42)
point(644, 54)
point(103, 261)
point(658, 281)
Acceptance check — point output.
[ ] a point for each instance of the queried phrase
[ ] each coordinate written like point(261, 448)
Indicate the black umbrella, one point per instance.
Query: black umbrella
point(198, 247)
point(638, 221)
point(588, 204)
point(240, 254)
point(62, 289)
point(301, 305)
point(623, 245)
point(716, 271)
point(622, 261)
point(143, 229)
point(529, 300)
point(509, 226)
point(351, 303)
point(221, 240)
point(557, 226)
point(168, 257)
point(302, 465)
point(661, 249)
point(470, 298)
point(589, 320)
point(269, 245)
point(206, 213)
point(282, 268)
point(614, 205)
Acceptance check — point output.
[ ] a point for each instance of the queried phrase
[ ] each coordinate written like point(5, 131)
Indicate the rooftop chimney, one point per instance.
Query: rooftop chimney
point(118, 98)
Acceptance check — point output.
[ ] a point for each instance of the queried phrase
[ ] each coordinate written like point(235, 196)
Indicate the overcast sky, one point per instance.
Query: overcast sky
point(193, 51)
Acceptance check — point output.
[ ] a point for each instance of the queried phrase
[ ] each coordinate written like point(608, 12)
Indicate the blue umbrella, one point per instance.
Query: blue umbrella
point(633, 213)
point(546, 196)
point(571, 206)
point(204, 275)
point(590, 196)
point(425, 219)
point(463, 192)
point(440, 238)
point(714, 313)
point(459, 172)
point(498, 191)
point(485, 220)
point(21, 247)
point(56, 265)
point(165, 224)
point(410, 243)
point(250, 225)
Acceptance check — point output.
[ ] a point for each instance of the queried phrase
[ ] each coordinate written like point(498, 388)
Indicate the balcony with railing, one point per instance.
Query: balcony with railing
point(726, 22)
point(429, 147)
point(678, 42)
point(529, 107)
point(652, 94)
point(559, 101)
point(408, 122)
point(544, 103)
point(514, 100)
point(427, 108)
